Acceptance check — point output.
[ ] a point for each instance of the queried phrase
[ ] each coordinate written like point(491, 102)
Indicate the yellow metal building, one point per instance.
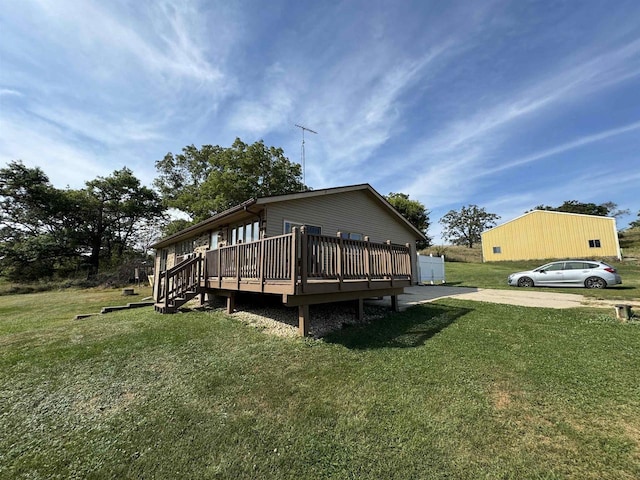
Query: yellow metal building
point(542, 234)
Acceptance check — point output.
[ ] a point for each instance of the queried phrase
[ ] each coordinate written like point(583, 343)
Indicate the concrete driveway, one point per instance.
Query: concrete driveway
point(516, 296)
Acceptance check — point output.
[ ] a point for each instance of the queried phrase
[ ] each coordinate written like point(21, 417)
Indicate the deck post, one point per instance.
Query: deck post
point(231, 303)
point(339, 263)
point(294, 258)
point(390, 258)
point(394, 303)
point(166, 289)
point(238, 263)
point(367, 261)
point(202, 274)
point(303, 320)
point(219, 267)
point(262, 255)
point(410, 259)
point(304, 257)
point(360, 309)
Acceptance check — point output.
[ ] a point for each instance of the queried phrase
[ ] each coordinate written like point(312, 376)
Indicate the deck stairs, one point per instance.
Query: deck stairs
point(179, 284)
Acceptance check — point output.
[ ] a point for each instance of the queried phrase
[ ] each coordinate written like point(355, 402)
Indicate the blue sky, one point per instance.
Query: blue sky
point(503, 104)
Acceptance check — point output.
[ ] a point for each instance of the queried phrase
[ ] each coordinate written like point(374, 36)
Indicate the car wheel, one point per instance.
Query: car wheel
point(595, 282)
point(525, 282)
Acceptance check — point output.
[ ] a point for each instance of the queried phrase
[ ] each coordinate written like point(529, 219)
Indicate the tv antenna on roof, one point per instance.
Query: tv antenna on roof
point(302, 152)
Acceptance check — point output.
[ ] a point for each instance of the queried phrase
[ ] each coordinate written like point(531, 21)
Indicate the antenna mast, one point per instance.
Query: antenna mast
point(302, 152)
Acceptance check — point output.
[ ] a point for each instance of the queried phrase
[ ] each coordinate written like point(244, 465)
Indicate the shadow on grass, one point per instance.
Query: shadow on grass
point(411, 328)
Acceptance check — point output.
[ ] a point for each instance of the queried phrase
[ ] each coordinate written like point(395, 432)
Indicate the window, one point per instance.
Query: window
point(594, 243)
point(164, 255)
point(351, 236)
point(497, 249)
point(552, 267)
point(245, 233)
point(312, 229)
point(215, 235)
point(184, 247)
point(255, 231)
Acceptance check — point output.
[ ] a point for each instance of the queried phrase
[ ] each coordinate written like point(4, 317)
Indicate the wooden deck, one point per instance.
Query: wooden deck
point(304, 269)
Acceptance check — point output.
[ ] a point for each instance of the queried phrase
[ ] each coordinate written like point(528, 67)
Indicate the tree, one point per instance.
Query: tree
point(209, 180)
point(636, 222)
point(46, 230)
point(113, 208)
point(607, 209)
point(174, 226)
point(38, 229)
point(464, 227)
point(415, 212)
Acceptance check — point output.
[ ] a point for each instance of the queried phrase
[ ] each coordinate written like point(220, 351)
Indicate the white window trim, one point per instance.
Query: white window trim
point(297, 224)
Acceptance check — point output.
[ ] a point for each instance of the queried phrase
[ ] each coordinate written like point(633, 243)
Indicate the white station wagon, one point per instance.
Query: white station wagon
point(568, 273)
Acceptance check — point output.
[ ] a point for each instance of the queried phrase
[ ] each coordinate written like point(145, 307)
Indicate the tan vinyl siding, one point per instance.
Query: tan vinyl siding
point(354, 212)
point(541, 235)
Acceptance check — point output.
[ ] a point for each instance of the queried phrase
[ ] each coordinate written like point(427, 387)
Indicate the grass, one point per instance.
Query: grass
point(494, 275)
point(35, 311)
point(447, 390)
point(630, 244)
point(464, 268)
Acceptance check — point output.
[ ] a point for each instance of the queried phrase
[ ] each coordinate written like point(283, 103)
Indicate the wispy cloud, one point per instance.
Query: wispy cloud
point(161, 42)
point(6, 92)
point(470, 102)
point(44, 145)
point(365, 122)
point(565, 147)
point(469, 146)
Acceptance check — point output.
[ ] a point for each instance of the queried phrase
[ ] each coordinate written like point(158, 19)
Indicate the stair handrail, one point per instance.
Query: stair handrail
point(180, 279)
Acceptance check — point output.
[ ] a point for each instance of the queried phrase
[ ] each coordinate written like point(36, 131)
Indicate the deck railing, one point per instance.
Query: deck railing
point(317, 258)
point(292, 264)
point(180, 280)
point(268, 259)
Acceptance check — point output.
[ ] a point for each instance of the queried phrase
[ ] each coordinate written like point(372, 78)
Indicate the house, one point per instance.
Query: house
point(318, 246)
point(542, 234)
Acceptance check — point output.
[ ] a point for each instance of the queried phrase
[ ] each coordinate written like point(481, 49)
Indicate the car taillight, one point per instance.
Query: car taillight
point(610, 270)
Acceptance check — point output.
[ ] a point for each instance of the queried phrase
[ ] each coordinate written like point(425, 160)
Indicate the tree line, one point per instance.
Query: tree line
point(48, 232)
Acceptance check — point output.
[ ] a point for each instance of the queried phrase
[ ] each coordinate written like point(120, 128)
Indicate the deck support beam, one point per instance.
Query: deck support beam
point(394, 303)
point(303, 320)
point(313, 299)
point(231, 302)
point(360, 309)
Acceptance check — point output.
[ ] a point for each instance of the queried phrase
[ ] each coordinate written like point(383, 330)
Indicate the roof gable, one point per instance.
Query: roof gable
point(221, 217)
point(547, 212)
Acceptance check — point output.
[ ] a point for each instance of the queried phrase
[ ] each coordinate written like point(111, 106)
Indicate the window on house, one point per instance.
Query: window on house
point(351, 236)
point(215, 235)
point(245, 233)
point(185, 247)
point(312, 229)
point(497, 249)
point(255, 231)
point(164, 255)
point(594, 243)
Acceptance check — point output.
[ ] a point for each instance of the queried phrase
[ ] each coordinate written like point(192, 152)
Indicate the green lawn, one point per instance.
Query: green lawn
point(494, 275)
point(452, 389)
